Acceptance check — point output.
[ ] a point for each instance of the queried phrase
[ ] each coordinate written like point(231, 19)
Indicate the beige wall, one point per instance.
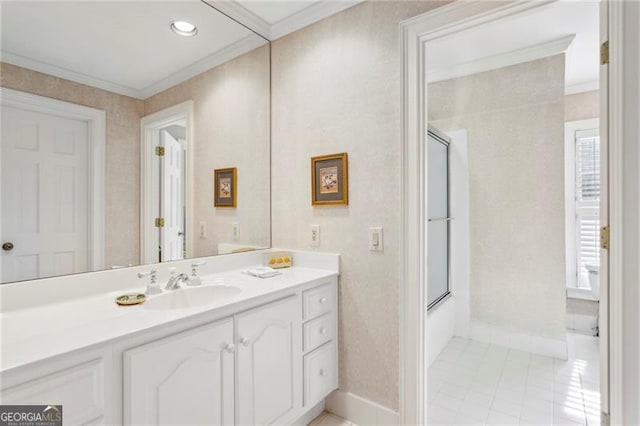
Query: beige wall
point(336, 88)
point(514, 119)
point(582, 106)
point(122, 222)
point(231, 129)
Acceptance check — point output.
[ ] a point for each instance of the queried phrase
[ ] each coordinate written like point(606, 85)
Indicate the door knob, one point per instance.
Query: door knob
point(7, 246)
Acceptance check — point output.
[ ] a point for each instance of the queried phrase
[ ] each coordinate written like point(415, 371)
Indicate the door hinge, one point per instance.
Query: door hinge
point(159, 222)
point(604, 53)
point(159, 151)
point(604, 237)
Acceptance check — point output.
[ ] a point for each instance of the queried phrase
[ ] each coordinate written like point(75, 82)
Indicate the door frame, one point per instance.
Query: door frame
point(96, 120)
point(414, 34)
point(150, 126)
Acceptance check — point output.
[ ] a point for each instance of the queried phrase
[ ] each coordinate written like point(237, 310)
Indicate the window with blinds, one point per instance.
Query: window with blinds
point(587, 190)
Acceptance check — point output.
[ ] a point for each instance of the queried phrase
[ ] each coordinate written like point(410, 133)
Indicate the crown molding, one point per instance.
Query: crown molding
point(232, 51)
point(309, 15)
point(530, 53)
point(582, 87)
point(244, 16)
point(45, 68)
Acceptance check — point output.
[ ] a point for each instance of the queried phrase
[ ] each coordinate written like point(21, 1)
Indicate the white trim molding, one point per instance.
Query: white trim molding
point(150, 127)
point(232, 51)
point(273, 31)
point(623, 139)
point(96, 120)
point(518, 56)
point(589, 86)
point(359, 410)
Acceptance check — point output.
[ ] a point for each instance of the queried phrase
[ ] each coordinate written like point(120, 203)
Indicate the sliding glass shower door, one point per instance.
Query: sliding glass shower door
point(438, 217)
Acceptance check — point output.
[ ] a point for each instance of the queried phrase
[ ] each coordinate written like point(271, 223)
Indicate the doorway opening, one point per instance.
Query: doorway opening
point(166, 184)
point(510, 337)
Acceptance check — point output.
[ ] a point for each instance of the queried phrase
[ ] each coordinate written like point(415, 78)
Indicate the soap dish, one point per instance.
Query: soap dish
point(130, 299)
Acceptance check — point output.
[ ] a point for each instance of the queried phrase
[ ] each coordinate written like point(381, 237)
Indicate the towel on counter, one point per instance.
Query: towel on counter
point(262, 272)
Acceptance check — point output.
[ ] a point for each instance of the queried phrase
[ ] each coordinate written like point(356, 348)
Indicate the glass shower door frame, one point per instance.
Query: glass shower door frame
point(443, 139)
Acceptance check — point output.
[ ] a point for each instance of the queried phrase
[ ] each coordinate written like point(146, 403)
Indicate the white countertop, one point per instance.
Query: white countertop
point(34, 334)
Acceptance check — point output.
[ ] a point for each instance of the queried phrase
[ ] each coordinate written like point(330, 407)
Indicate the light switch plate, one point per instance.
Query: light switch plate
point(376, 242)
point(314, 236)
point(203, 230)
point(235, 230)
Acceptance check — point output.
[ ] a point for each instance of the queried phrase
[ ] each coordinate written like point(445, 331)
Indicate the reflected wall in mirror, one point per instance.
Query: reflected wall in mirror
point(88, 101)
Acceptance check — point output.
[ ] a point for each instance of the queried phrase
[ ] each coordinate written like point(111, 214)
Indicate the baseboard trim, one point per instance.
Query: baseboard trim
point(520, 341)
point(311, 414)
point(359, 410)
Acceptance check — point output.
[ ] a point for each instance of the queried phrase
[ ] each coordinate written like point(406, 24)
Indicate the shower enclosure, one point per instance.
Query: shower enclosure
point(439, 220)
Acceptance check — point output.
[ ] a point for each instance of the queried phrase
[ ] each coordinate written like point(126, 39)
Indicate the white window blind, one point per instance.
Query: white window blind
point(587, 151)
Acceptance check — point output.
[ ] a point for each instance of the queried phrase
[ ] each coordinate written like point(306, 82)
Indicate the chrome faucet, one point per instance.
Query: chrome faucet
point(174, 281)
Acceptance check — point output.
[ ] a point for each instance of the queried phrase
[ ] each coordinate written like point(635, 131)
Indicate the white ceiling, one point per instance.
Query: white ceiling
point(126, 47)
point(512, 39)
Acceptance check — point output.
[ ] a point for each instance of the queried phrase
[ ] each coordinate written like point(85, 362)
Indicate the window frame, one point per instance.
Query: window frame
point(571, 206)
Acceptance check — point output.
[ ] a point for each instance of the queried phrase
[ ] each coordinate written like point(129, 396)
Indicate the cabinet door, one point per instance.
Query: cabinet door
point(269, 363)
point(183, 379)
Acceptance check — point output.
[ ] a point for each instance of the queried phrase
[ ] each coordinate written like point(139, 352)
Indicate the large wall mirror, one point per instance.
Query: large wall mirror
point(115, 118)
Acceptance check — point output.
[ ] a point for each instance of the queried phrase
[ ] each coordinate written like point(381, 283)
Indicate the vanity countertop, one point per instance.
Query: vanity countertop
point(38, 333)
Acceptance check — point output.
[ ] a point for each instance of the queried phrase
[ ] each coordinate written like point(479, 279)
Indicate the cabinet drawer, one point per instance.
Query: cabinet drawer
point(318, 301)
point(320, 376)
point(318, 331)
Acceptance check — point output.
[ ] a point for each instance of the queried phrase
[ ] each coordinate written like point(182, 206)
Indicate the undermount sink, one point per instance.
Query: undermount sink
point(184, 298)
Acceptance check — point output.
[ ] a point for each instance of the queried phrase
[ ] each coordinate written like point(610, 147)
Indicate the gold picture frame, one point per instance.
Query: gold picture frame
point(225, 187)
point(330, 180)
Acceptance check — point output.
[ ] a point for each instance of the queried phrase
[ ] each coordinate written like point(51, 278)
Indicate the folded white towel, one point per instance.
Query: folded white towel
point(262, 272)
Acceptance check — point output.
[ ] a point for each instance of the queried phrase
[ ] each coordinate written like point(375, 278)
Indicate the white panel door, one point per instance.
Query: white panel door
point(44, 195)
point(172, 205)
point(186, 379)
point(269, 364)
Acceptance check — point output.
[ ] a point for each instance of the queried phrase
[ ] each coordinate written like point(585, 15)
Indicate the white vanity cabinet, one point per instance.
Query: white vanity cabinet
point(269, 363)
point(80, 382)
point(320, 312)
point(187, 377)
point(271, 359)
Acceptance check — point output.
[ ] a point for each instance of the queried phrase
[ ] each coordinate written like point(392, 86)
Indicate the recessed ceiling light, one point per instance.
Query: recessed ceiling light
point(183, 28)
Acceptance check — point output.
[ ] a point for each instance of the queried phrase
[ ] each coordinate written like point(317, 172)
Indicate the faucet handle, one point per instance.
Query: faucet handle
point(194, 279)
point(152, 287)
point(151, 273)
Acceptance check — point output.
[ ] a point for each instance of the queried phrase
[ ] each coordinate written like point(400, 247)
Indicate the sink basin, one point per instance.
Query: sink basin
point(185, 298)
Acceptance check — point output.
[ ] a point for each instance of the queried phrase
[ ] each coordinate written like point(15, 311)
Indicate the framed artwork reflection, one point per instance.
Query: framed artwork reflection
point(329, 180)
point(225, 187)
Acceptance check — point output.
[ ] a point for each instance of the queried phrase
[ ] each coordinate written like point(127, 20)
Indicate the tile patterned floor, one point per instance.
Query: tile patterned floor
point(474, 383)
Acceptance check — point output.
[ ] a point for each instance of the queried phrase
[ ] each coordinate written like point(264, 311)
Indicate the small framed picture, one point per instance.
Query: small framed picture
point(329, 180)
point(225, 187)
